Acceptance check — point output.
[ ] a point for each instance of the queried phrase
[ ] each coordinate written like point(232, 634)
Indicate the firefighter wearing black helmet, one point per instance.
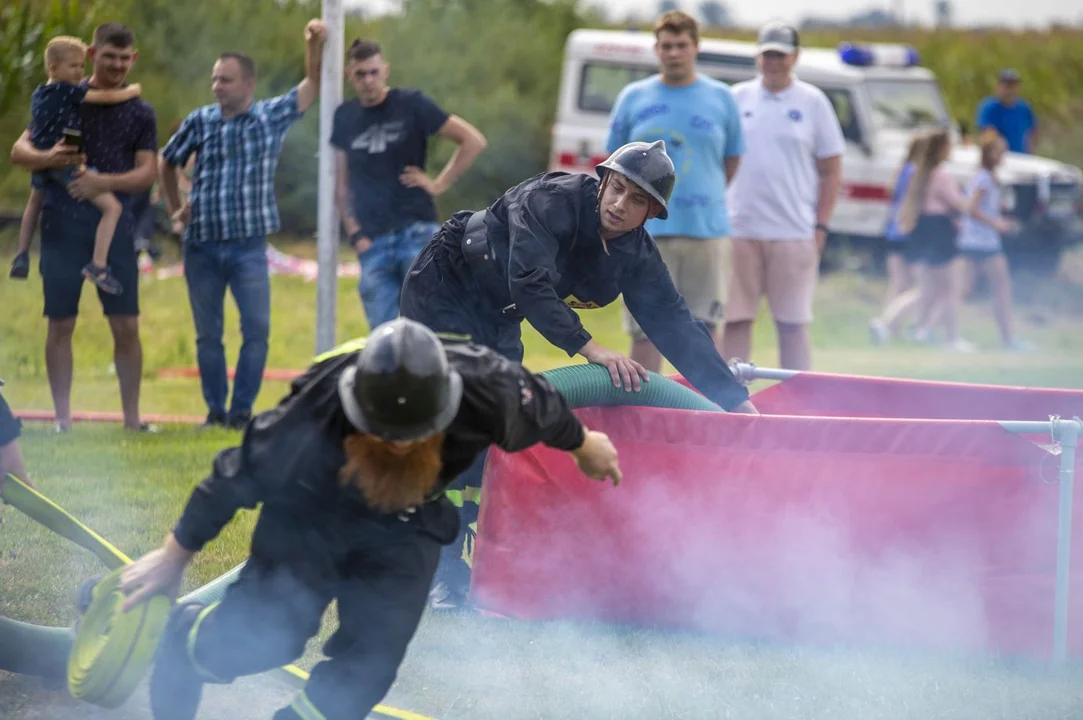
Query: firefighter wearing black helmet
point(351, 469)
point(552, 244)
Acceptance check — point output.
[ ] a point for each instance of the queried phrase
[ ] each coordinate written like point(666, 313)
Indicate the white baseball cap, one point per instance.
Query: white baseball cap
point(779, 37)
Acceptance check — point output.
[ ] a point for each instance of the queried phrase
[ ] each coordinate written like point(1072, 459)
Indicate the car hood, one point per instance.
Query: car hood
point(1015, 168)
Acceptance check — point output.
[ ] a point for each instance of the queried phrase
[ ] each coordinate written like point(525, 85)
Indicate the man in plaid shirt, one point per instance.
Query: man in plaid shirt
point(229, 213)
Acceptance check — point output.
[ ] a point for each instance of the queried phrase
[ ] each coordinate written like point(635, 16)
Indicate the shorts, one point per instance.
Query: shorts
point(935, 237)
point(979, 255)
point(701, 270)
point(67, 244)
point(908, 250)
point(60, 176)
point(10, 426)
point(785, 270)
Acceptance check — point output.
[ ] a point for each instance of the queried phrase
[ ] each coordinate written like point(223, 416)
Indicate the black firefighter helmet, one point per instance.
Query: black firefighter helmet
point(401, 387)
point(648, 166)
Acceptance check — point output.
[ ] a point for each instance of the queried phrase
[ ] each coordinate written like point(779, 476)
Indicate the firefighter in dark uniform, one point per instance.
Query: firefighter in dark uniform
point(350, 469)
point(555, 242)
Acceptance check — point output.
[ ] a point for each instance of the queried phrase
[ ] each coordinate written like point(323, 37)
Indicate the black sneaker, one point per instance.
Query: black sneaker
point(215, 418)
point(175, 687)
point(239, 421)
point(20, 267)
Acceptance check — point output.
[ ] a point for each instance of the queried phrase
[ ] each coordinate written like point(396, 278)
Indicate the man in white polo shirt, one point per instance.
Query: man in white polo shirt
point(782, 200)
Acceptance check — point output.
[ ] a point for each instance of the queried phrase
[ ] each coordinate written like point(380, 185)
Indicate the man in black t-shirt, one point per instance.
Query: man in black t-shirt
point(384, 196)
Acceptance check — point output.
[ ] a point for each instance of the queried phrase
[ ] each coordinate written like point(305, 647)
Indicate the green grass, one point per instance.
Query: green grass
point(131, 488)
point(844, 303)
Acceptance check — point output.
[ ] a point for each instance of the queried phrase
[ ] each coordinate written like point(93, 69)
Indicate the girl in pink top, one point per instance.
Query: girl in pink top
point(930, 211)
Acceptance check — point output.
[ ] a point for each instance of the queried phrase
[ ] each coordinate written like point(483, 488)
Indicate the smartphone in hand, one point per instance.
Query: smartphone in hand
point(74, 137)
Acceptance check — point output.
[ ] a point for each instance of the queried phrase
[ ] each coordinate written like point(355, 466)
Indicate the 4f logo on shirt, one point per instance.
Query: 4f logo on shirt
point(377, 137)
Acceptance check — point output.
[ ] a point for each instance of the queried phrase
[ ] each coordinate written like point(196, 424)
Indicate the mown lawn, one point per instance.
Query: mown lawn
point(131, 488)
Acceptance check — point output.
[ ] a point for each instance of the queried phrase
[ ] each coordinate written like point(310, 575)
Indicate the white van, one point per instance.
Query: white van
point(881, 96)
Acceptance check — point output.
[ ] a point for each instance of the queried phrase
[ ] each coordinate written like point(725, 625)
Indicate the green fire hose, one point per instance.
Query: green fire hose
point(109, 653)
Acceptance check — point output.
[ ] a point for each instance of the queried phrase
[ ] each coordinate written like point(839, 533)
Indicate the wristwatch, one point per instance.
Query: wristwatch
point(821, 226)
point(355, 236)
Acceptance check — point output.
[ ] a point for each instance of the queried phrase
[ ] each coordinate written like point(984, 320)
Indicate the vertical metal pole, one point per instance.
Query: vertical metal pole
point(327, 227)
point(1067, 434)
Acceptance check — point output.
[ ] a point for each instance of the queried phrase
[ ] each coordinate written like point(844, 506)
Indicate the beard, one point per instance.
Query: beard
point(391, 482)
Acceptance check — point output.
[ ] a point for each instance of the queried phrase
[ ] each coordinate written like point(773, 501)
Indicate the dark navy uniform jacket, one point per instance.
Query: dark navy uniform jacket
point(290, 456)
point(551, 259)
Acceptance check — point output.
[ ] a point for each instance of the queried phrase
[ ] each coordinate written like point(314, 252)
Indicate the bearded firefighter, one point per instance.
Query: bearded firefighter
point(556, 243)
point(351, 469)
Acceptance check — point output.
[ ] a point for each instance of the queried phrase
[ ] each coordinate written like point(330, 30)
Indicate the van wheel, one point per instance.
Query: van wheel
point(851, 252)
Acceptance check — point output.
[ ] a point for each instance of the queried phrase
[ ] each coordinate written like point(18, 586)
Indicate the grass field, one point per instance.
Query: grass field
point(130, 489)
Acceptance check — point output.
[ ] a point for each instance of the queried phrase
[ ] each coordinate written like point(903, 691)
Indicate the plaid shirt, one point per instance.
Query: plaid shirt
point(233, 195)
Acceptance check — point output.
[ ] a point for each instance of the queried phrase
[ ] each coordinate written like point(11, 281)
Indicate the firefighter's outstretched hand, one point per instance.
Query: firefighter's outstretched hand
point(597, 457)
point(623, 370)
point(158, 572)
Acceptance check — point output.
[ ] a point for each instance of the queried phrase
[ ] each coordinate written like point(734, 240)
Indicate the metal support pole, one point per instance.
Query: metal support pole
point(746, 372)
point(1069, 436)
point(1066, 434)
point(327, 227)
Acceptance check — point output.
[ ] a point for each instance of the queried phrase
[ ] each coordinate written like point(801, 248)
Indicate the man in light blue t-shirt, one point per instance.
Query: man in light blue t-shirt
point(697, 119)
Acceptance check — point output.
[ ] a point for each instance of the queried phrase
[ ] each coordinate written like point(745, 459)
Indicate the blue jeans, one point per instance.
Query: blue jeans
point(384, 267)
point(210, 267)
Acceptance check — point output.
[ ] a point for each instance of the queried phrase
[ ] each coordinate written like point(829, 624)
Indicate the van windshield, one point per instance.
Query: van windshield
point(906, 104)
point(601, 83)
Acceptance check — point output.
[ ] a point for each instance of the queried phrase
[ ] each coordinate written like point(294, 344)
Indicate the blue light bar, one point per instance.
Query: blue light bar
point(878, 55)
point(854, 55)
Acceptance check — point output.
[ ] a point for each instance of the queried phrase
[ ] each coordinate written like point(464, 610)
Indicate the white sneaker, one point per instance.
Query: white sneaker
point(921, 335)
point(962, 346)
point(1018, 345)
point(878, 332)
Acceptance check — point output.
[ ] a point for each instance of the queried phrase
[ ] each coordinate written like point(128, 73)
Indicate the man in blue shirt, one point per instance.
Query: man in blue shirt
point(1008, 114)
point(229, 213)
point(697, 118)
point(385, 198)
point(121, 144)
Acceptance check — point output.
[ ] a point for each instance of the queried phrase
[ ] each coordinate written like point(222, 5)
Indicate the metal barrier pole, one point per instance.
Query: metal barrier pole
point(746, 372)
point(1068, 440)
point(1066, 434)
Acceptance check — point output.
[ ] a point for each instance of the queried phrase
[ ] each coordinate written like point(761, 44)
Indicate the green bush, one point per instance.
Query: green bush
point(966, 63)
point(459, 53)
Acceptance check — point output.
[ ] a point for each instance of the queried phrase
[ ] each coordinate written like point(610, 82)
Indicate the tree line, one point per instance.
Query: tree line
point(494, 62)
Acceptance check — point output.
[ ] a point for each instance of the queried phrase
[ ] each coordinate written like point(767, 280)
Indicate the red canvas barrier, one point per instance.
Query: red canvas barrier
point(827, 394)
point(866, 530)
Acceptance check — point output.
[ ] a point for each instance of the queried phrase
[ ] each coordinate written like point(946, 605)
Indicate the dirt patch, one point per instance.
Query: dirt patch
point(27, 698)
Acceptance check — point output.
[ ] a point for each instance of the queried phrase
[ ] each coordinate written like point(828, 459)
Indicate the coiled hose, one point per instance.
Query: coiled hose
point(108, 654)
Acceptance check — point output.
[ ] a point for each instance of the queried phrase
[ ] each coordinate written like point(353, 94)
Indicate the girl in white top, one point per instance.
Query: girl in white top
point(979, 241)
